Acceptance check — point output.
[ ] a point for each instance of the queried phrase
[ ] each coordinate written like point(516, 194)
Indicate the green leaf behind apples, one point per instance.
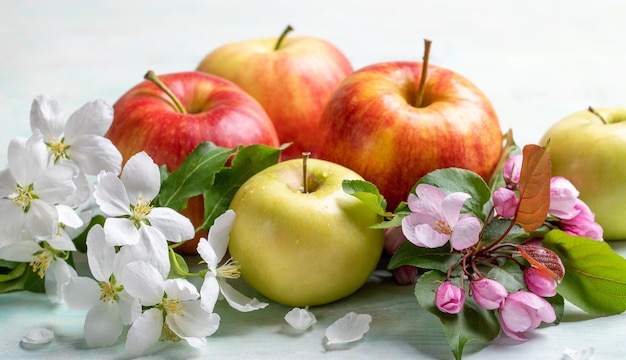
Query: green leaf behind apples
point(248, 161)
point(193, 176)
point(12, 276)
point(369, 194)
point(595, 275)
point(460, 180)
point(473, 323)
point(439, 258)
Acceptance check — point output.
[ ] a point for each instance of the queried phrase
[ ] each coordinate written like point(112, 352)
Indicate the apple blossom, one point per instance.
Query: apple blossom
point(487, 293)
point(539, 282)
point(212, 252)
point(523, 311)
point(583, 224)
point(80, 139)
point(511, 171)
point(505, 202)
point(563, 196)
point(449, 298)
point(436, 219)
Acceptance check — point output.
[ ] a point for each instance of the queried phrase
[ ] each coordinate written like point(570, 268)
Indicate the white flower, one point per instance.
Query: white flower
point(109, 307)
point(212, 251)
point(133, 220)
point(349, 328)
point(29, 190)
point(80, 139)
point(300, 319)
point(175, 299)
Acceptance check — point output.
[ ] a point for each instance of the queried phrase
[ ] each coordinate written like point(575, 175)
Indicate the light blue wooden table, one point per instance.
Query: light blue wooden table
point(537, 61)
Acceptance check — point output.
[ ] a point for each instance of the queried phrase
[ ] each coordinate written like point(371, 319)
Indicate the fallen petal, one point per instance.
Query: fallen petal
point(349, 328)
point(584, 354)
point(38, 336)
point(300, 319)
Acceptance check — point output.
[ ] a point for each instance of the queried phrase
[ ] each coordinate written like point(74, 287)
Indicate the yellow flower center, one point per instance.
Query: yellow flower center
point(41, 262)
point(168, 335)
point(442, 227)
point(173, 306)
point(23, 196)
point(141, 210)
point(57, 148)
point(108, 292)
point(230, 269)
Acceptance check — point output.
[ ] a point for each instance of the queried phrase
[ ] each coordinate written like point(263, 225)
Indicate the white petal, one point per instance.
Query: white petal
point(583, 354)
point(68, 216)
point(100, 254)
point(141, 177)
point(93, 153)
point(95, 117)
point(21, 251)
point(120, 232)
point(130, 308)
point(192, 321)
point(154, 249)
point(219, 234)
point(81, 293)
point(62, 241)
point(46, 114)
point(8, 184)
point(111, 195)
point(145, 332)
point(38, 336)
point(237, 300)
point(209, 292)
point(56, 183)
point(11, 222)
point(300, 319)
point(42, 219)
point(207, 254)
point(171, 223)
point(27, 158)
point(349, 328)
point(180, 289)
point(143, 282)
point(103, 325)
point(57, 276)
point(82, 193)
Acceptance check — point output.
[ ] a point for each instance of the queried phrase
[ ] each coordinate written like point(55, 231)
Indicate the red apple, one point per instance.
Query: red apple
point(291, 77)
point(212, 109)
point(379, 125)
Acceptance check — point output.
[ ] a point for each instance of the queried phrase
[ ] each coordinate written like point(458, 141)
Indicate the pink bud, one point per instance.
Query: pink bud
point(583, 224)
point(505, 202)
point(405, 275)
point(488, 294)
point(449, 298)
point(512, 170)
point(563, 196)
point(539, 282)
point(523, 311)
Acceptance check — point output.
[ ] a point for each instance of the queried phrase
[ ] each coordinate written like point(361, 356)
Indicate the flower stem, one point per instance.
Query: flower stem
point(282, 37)
point(150, 75)
point(420, 89)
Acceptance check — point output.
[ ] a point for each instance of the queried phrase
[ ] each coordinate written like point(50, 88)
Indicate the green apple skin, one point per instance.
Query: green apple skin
point(373, 126)
point(293, 83)
point(303, 249)
point(590, 153)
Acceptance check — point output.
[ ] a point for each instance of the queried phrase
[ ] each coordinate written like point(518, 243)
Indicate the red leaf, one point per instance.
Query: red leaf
point(534, 187)
point(543, 259)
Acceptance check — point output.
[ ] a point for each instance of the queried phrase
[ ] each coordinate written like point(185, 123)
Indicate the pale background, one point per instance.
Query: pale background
point(536, 60)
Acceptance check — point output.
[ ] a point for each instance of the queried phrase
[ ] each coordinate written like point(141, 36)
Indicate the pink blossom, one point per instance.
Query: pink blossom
point(436, 219)
point(563, 196)
point(583, 224)
point(512, 170)
point(505, 202)
point(449, 298)
point(523, 311)
point(488, 294)
point(539, 282)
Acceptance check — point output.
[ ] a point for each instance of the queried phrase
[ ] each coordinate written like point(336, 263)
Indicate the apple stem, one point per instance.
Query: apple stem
point(282, 37)
point(150, 75)
point(593, 111)
point(420, 89)
point(305, 182)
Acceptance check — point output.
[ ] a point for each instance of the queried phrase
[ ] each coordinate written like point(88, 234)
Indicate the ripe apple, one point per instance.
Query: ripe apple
point(291, 77)
point(303, 247)
point(394, 122)
point(588, 148)
point(201, 107)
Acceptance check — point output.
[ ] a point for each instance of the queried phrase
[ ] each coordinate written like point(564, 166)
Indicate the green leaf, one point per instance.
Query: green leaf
point(194, 175)
point(595, 275)
point(369, 194)
point(495, 229)
point(509, 275)
point(558, 304)
point(439, 258)
point(81, 240)
point(32, 282)
point(248, 161)
point(179, 268)
point(460, 180)
point(12, 278)
point(473, 323)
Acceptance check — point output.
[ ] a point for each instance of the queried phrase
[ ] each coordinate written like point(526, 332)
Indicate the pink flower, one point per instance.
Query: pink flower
point(512, 170)
point(449, 298)
point(563, 196)
point(505, 202)
point(488, 294)
point(523, 311)
point(539, 282)
point(436, 219)
point(583, 224)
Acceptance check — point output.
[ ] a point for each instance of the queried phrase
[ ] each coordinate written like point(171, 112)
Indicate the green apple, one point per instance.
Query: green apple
point(588, 148)
point(303, 247)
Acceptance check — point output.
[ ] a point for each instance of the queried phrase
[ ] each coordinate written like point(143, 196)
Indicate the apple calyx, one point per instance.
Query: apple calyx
point(282, 37)
point(593, 111)
point(420, 89)
point(150, 75)
point(305, 177)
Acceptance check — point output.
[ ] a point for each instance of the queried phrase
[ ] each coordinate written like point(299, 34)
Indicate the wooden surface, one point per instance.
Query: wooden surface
point(537, 61)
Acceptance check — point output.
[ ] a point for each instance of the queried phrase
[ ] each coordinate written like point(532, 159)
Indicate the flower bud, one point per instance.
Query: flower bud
point(511, 171)
point(449, 298)
point(583, 224)
point(539, 282)
point(523, 311)
point(488, 294)
point(563, 196)
point(505, 202)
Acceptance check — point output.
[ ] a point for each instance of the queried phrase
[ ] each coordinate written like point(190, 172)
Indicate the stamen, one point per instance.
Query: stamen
point(41, 262)
point(230, 269)
point(173, 306)
point(141, 210)
point(168, 335)
point(442, 227)
point(57, 148)
point(108, 292)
